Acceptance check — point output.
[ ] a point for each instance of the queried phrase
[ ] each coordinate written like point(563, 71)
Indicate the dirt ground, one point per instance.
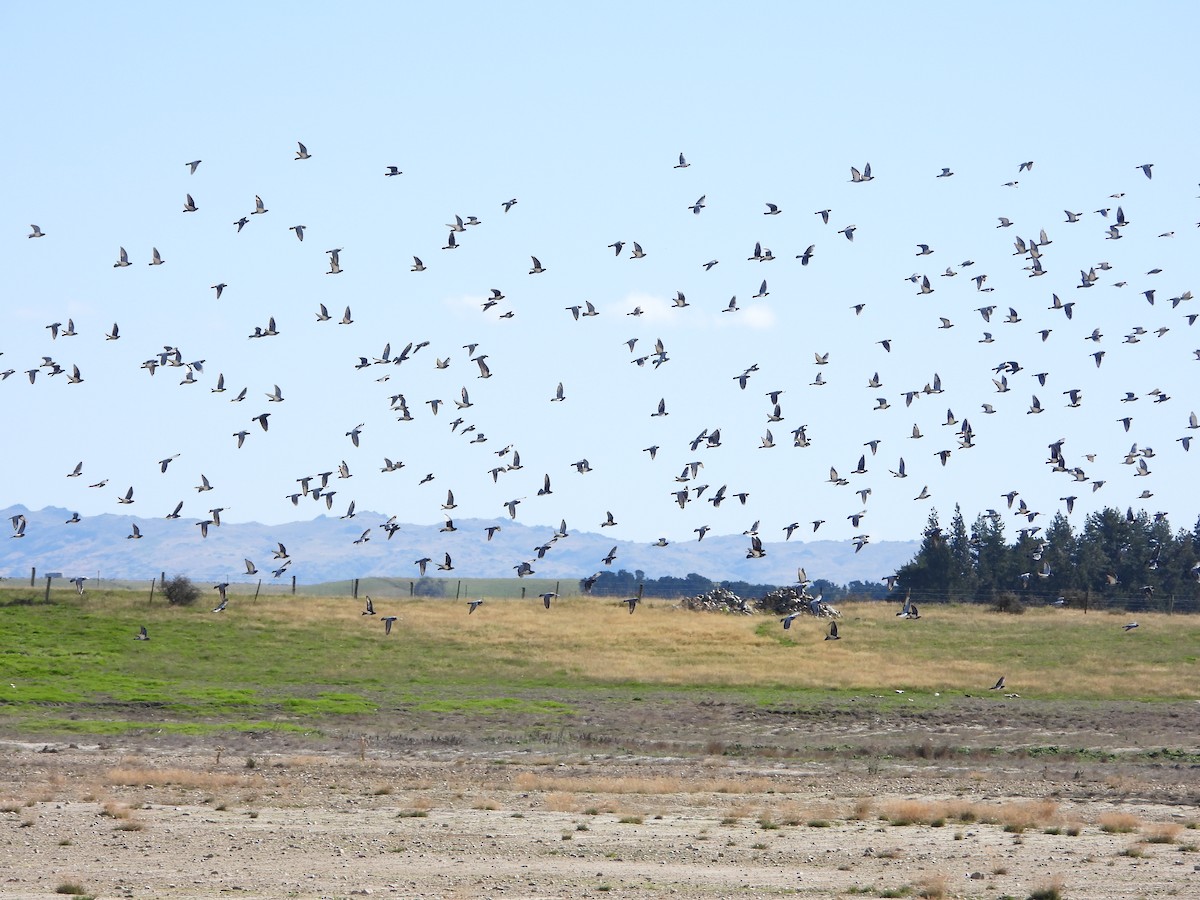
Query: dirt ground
point(690, 799)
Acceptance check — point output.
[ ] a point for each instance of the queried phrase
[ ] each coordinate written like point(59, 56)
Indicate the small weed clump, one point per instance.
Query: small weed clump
point(1118, 823)
point(1165, 833)
point(1049, 891)
point(933, 887)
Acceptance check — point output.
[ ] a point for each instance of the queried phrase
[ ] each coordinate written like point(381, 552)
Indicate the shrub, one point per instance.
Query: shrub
point(180, 591)
point(1050, 891)
point(1008, 603)
point(1118, 823)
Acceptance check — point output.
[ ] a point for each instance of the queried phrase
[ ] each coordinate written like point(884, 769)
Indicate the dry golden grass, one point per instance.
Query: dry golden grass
point(1015, 816)
point(561, 801)
point(1048, 890)
point(176, 777)
point(1162, 833)
point(737, 812)
point(302, 761)
point(934, 886)
point(915, 812)
point(664, 645)
point(1118, 822)
point(115, 810)
point(586, 783)
point(1021, 815)
point(862, 808)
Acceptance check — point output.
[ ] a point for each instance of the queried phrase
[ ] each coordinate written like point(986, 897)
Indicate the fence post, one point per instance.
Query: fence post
point(354, 589)
point(151, 600)
point(293, 585)
point(412, 589)
point(458, 591)
point(557, 587)
point(522, 592)
point(47, 588)
point(1171, 605)
point(33, 576)
point(162, 576)
point(1086, 595)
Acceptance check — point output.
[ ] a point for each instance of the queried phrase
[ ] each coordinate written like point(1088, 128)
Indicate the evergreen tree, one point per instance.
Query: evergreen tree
point(931, 573)
point(1059, 557)
point(992, 566)
point(964, 580)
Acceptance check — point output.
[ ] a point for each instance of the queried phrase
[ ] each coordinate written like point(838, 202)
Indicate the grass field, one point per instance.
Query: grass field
point(304, 664)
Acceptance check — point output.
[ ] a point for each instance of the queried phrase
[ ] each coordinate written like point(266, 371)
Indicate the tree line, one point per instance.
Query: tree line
point(627, 584)
point(1117, 560)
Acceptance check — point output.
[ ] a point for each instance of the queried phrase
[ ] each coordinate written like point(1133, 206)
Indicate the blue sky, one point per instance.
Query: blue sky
point(581, 115)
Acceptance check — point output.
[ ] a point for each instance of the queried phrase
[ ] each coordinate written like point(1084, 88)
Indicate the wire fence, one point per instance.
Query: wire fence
point(254, 586)
point(524, 588)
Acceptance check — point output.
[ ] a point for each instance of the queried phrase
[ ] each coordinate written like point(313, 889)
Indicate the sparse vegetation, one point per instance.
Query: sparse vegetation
point(933, 887)
point(1118, 823)
point(1052, 890)
point(1162, 833)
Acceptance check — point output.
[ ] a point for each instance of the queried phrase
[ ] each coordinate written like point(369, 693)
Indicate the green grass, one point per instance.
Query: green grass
point(304, 665)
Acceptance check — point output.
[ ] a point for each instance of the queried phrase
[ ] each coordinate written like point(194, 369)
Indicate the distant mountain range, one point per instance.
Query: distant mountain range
point(323, 550)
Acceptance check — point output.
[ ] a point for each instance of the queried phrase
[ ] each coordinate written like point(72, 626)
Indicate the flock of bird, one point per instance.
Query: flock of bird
point(1033, 253)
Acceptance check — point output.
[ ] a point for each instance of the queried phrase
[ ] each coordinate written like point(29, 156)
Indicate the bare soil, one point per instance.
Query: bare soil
point(658, 797)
